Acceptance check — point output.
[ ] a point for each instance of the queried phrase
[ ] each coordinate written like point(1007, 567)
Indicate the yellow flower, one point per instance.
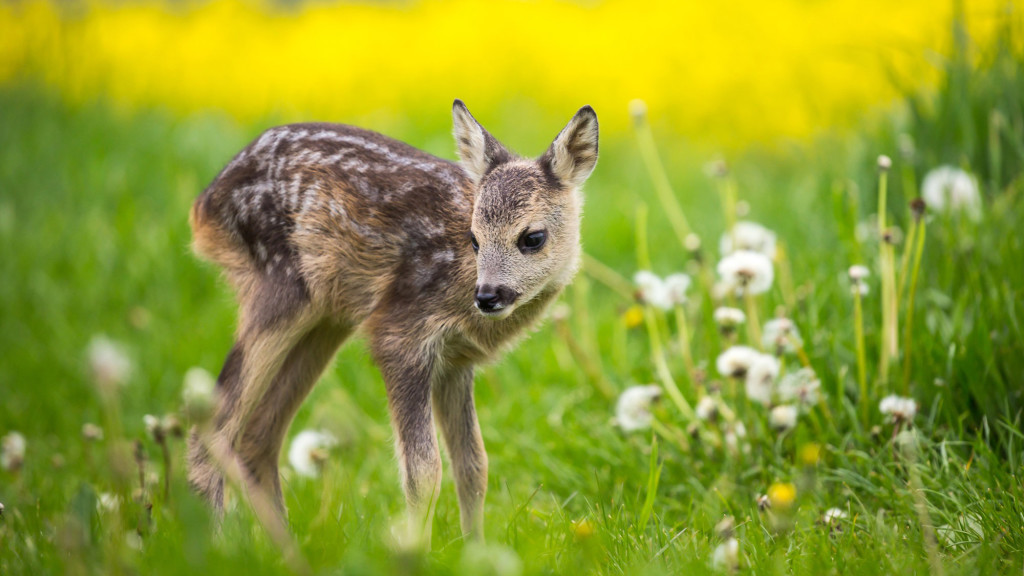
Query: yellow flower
point(781, 495)
point(582, 530)
point(810, 453)
point(634, 316)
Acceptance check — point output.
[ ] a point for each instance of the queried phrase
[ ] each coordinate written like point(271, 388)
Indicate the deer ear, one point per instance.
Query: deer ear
point(573, 155)
point(479, 152)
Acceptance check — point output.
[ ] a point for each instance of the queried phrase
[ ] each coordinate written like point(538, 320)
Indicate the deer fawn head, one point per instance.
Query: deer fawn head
point(526, 212)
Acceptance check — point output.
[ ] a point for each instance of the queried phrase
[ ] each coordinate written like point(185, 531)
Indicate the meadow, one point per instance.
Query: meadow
point(106, 313)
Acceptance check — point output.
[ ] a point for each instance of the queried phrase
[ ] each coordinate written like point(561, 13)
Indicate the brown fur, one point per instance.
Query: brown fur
point(324, 229)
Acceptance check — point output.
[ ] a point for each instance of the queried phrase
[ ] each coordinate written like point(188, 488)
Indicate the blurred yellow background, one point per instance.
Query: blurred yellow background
point(724, 73)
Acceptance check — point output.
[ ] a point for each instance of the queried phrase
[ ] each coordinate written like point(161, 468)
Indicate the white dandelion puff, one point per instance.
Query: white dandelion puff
point(747, 272)
point(858, 272)
point(307, 449)
point(833, 516)
point(633, 410)
point(652, 290)
point(727, 317)
point(783, 417)
point(676, 286)
point(736, 360)
point(899, 408)
point(781, 335)
point(726, 554)
point(12, 451)
point(751, 236)
point(108, 362)
point(760, 379)
point(108, 503)
point(947, 188)
point(198, 393)
point(802, 386)
point(706, 409)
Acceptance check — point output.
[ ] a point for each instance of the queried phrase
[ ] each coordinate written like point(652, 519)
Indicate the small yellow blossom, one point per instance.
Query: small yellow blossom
point(810, 453)
point(781, 495)
point(634, 316)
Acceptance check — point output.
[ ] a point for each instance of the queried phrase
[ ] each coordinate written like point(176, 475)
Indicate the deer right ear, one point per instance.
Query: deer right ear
point(479, 152)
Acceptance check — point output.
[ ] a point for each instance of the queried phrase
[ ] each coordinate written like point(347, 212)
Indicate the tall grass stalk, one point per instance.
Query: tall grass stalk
point(889, 345)
point(862, 376)
point(753, 323)
point(684, 342)
point(909, 329)
point(649, 152)
point(908, 250)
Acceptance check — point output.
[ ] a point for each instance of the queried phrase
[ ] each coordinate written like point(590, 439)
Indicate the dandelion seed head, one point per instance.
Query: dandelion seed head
point(306, 451)
point(638, 110)
point(950, 189)
point(781, 335)
point(783, 417)
point(735, 361)
point(109, 364)
point(198, 393)
point(884, 163)
point(108, 503)
point(833, 516)
point(692, 242)
point(706, 409)
point(92, 432)
point(12, 451)
point(633, 410)
point(859, 272)
point(801, 386)
point(652, 290)
point(726, 528)
point(729, 317)
point(676, 286)
point(898, 408)
point(760, 379)
point(749, 236)
point(763, 502)
point(726, 555)
point(747, 272)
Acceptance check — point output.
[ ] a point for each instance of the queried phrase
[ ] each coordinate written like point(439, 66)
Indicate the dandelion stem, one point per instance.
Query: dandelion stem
point(753, 324)
point(607, 276)
point(785, 276)
point(662, 186)
point(594, 373)
point(909, 334)
point(862, 379)
point(684, 342)
point(661, 366)
point(905, 259)
point(889, 346)
point(643, 254)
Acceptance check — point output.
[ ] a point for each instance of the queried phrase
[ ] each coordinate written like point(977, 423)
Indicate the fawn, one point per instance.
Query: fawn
point(323, 229)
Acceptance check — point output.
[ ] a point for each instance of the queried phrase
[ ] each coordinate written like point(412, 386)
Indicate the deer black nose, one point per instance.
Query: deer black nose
point(491, 299)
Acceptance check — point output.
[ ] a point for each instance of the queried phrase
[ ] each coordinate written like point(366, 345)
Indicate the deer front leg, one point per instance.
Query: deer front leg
point(453, 401)
point(407, 368)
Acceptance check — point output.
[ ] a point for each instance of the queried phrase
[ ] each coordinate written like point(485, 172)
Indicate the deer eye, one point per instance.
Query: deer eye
point(472, 240)
point(531, 242)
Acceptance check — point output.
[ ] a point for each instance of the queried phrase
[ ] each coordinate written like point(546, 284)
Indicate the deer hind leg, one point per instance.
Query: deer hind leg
point(456, 414)
point(275, 319)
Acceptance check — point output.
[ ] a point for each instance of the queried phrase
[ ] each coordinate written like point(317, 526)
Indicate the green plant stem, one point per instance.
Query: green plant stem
point(661, 366)
point(684, 342)
point(662, 186)
point(753, 324)
point(607, 276)
point(905, 259)
point(889, 347)
point(909, 330)
point(862, 379)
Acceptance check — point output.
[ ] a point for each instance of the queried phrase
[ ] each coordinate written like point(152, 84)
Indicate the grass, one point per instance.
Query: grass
point(93, 208)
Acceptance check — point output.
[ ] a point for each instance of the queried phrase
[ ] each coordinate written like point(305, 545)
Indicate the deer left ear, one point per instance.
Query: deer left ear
point(573, 155)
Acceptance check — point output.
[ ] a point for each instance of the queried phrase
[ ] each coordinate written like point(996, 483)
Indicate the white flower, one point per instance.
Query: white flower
point(676, 285)
point(153, 427)
point(781, 335)
point(900, 408)
point(306, 451)
point(108, 361)
point(833, 516)
point(747, 271)
point(884, 162)
point(760, 381)
point(652, 290)
point(706, 409)
point(729, 317)
point(859, 288)
point(748, 236)
point(951, 189)
point(663, 294)
point(108, 503)
point(198, 393)
point(726, 554)
point(735, 361)
point(633, 410)
point(859, 272)
point(803, 386)
point(783, 417)
point(12, 451)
